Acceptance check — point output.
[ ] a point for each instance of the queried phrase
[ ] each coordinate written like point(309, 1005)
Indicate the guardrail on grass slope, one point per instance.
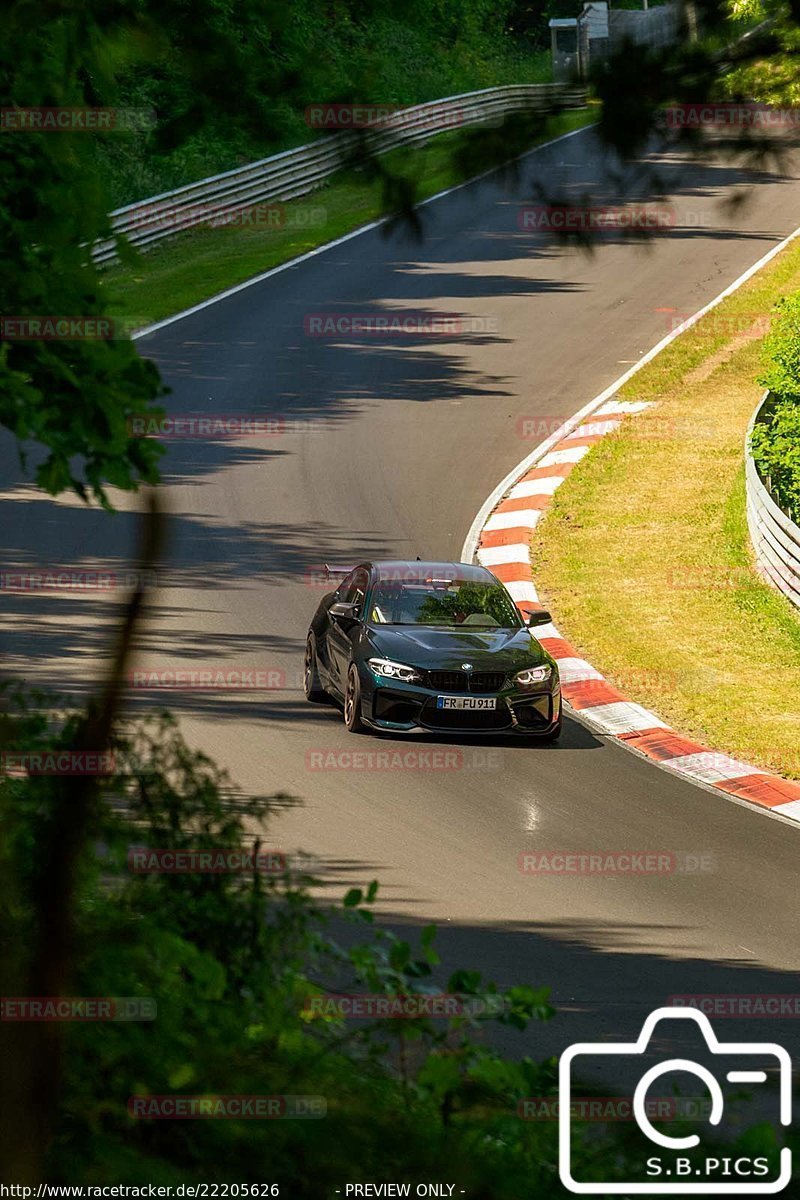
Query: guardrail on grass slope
point(297, 172)
point(775, 537)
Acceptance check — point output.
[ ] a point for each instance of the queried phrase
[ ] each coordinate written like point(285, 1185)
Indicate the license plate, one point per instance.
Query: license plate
point(471, 702)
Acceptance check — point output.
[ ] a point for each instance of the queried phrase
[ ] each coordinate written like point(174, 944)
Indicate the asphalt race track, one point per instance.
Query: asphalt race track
point(389, 447)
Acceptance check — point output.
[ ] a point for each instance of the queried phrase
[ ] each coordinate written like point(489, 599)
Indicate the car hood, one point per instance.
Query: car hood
point(447, 649)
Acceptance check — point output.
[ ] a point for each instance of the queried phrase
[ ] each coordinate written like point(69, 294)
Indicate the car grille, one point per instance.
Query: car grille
point(466, 681)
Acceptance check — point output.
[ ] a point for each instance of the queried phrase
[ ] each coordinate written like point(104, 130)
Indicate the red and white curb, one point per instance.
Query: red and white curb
point(503, 545)
point(500, 539)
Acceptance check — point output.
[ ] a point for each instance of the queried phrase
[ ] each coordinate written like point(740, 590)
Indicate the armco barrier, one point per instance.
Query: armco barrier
point(775, 537)
point(297, 172)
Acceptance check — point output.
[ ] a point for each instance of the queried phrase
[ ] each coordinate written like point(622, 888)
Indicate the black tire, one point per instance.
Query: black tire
point(352, 702)
point(312, 687)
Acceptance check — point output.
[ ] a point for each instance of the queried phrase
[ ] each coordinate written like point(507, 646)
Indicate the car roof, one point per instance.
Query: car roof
point(406, 570)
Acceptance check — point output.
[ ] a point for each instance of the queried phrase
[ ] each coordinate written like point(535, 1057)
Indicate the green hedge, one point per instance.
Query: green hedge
point(311, 52)
point(776, 441)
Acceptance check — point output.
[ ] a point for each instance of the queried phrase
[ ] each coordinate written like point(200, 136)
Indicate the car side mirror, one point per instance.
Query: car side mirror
point(541, 617)
point(340, 611)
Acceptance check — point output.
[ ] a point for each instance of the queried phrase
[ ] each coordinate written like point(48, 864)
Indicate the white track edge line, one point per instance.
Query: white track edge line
point(471, 540)
point(346, 237)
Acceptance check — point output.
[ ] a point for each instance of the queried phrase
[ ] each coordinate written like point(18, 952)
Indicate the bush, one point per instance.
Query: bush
point(313, 53)
point(782, 350)
point(776, 439)
point(776, 451)
point(239, 966)
point(234, 962)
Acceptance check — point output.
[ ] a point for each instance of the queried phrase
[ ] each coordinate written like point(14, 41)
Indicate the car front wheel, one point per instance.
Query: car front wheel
point(352, 702)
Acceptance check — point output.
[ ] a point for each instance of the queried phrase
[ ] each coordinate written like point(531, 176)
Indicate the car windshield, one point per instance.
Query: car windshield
point(445, 602)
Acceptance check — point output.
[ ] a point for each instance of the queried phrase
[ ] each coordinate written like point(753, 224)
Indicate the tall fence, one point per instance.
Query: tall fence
point(580, 43)
point(653, 27)
point(775, 537)
point(218, 199)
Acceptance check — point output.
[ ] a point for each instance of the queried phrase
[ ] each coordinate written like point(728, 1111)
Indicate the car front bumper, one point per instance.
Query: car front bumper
point(391, 705)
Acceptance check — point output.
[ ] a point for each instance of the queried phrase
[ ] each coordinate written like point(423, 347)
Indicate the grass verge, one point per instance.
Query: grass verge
point(645, 559)
point(196, 265)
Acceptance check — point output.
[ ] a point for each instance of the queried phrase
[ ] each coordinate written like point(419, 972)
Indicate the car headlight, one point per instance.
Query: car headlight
point(384, 668)
point(533, 675)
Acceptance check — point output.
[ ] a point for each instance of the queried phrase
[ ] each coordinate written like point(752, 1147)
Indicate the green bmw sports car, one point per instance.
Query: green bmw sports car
point(439, 646)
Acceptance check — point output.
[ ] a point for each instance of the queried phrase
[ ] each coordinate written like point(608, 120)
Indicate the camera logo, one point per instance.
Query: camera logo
point(675, 1171)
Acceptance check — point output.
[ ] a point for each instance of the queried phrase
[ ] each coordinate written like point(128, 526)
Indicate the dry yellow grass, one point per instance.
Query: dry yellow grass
point(645, 559)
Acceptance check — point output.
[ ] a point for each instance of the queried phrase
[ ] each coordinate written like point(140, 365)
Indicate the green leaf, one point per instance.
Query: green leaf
point(400, 955)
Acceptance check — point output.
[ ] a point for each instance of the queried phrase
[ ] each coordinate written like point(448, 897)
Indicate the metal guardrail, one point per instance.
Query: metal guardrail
point(775, 537)
point(218, 199)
